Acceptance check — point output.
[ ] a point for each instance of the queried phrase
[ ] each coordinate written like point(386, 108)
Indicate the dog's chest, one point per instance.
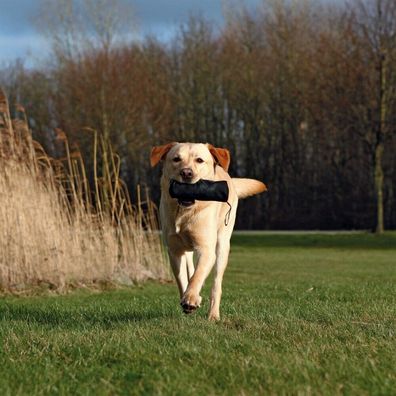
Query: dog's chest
point(185, 223)
point(183, 229)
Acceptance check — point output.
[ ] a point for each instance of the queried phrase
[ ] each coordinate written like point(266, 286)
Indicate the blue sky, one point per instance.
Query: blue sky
point(19, 38)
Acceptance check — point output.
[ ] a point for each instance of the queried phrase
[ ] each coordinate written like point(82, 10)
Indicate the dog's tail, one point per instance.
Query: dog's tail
point(247, 187)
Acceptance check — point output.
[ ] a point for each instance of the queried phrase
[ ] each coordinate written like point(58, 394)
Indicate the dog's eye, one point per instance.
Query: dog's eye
point(200, 160)
point(176, 159)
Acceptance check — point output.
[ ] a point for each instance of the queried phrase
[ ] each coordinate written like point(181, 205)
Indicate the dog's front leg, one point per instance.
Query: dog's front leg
point(222, 252)
point(191, 299)
point(179, 268)
point(190, 264)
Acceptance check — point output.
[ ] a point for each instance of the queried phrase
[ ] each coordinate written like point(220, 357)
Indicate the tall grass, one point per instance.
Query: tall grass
point(57, 231)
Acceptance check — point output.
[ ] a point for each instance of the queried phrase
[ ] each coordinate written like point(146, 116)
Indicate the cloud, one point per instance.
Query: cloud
point(151, 12)
point(161, 18)
point(15, 16)
point(30, 47)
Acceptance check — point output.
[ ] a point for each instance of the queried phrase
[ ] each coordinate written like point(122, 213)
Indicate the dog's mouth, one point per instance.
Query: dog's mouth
point(186, 203)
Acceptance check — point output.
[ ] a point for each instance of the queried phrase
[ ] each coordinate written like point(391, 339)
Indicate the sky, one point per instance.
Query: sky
point(20, 40)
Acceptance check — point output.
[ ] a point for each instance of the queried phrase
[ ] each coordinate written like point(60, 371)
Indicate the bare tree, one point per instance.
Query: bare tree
point(375, 27)
point(75, 27)
point(304, 96)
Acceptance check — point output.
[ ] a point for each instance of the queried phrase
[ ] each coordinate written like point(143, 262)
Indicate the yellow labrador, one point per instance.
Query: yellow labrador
point(203, 227)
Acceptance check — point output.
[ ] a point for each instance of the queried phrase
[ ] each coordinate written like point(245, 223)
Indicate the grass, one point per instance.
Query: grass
point(301, 314)
point(56, 230)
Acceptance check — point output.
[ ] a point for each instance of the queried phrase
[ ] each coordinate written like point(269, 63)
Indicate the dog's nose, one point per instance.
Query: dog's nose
point(186, 173)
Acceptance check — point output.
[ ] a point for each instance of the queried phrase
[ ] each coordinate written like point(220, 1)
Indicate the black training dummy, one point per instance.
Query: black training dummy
point(202, 190)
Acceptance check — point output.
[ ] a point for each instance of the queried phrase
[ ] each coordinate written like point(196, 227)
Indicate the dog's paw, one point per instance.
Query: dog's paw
point(190, 302)
point(214, 316)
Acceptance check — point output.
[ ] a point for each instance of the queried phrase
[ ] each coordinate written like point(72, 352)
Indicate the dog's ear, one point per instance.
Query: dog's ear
point(221, 155)
point(159, 152)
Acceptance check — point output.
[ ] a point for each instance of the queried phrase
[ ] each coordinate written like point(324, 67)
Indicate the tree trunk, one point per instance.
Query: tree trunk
point(379, 147)
point(379, 186)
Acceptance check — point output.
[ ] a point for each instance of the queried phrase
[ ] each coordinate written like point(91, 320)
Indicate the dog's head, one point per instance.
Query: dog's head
point(190, 162)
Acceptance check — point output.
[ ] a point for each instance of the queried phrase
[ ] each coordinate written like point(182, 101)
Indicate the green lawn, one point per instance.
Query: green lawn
point(301, 314)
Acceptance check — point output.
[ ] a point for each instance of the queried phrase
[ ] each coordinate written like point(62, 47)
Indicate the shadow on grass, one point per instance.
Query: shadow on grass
point(386, 241)
point(78, 318)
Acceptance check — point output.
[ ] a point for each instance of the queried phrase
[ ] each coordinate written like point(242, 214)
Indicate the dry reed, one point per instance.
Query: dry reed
point(55, 231)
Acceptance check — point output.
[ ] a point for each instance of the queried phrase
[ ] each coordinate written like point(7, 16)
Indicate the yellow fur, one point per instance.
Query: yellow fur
point(247, 187)
point(205, 227)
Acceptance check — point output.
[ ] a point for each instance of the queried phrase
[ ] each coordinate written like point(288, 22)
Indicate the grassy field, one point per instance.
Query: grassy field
point(302, 314)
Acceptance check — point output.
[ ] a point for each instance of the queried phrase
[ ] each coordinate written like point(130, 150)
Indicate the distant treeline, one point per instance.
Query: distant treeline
point(304, 97)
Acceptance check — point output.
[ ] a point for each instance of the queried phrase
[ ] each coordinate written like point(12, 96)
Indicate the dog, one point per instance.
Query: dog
point(200, 227)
